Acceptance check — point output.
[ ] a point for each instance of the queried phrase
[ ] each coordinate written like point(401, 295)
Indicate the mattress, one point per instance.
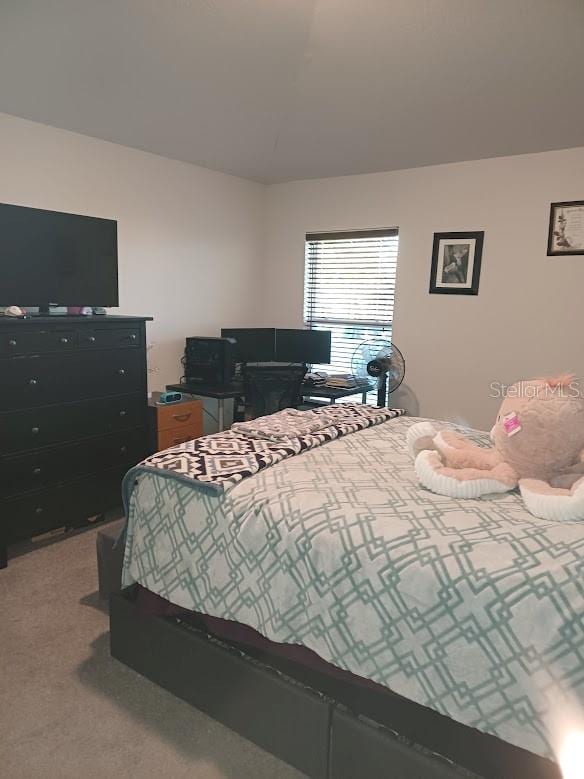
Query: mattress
point(471, 608)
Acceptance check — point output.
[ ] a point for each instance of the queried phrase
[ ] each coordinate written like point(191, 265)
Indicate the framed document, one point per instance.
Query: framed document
point(566, 233)
point(456, 263)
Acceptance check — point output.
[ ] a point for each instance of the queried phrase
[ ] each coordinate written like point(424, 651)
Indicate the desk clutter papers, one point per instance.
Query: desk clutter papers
point(336, 380)
point(317, 379)
point(346, 381)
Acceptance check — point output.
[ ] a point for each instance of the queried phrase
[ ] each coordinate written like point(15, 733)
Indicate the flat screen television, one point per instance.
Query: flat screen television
point(52, 257)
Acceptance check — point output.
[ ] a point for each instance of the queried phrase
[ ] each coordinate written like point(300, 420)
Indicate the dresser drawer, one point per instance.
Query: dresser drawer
point(111, 337)
point(47, 467)
point(40, 380)
point(168, 438)
point(23, 431)
point(69, 504)
point(36, 340)
point(173, 415)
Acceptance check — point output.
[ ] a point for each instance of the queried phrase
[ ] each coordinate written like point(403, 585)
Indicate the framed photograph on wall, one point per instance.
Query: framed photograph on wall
point(566, 232)
point(456, 263)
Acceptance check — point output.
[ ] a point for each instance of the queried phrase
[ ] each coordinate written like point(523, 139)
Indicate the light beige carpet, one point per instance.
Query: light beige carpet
point(67, 709)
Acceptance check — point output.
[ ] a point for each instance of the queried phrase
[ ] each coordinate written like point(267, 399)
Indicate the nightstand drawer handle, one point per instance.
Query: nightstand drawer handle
point(12, 342)
point(121, 372)
point(182, 417)
point(123, 449)
point(36, 471)
point(91, 339)
point(133, 337)
point(123, 413)
point(33, 382)
point(64, 340)
point(35, 430)
point(38, 510)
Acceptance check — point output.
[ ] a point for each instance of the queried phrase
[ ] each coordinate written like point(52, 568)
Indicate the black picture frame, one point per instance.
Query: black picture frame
point(464, 279)
point(560, 214)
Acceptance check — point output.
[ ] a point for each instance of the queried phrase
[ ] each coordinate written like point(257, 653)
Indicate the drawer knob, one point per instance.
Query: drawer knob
point(64, 340)
point(121, 372)
point(33, 382)
point(91, 339)
point(133, 337)
point(35, 430)
point(36, 471)
point(38, 510)
point(12, 342)
point(123, 449)
point(123, 413)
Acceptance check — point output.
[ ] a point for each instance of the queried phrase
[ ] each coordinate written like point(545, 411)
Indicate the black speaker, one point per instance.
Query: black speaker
point(209, 360)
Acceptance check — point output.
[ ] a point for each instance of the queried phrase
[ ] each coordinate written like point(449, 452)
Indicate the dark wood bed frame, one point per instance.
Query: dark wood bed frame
point(329, 728)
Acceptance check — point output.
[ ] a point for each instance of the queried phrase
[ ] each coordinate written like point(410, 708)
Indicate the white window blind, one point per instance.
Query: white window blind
point(349, 289)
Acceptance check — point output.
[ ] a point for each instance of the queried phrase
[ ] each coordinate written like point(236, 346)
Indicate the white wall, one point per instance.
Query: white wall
point(191, 244)
point(189, 238)
point(526, 320)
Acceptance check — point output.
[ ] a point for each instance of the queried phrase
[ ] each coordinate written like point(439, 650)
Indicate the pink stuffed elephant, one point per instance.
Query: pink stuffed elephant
point(538, 446)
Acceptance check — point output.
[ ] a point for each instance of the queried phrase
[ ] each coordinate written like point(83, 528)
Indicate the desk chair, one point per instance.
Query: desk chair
point(270, 388)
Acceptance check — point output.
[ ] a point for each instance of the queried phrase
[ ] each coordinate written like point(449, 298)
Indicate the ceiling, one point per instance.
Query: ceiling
point(275, 90)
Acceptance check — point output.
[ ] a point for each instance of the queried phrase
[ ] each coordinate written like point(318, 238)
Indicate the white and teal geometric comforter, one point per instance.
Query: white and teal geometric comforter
point(473, 608)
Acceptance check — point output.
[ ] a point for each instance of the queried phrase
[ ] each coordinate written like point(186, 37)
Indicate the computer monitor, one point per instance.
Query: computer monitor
point(313, 346)
point(252, 344)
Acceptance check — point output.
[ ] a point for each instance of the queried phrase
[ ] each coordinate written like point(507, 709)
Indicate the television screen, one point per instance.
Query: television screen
point(252, 344)
point(52, 257)
point(313, 346)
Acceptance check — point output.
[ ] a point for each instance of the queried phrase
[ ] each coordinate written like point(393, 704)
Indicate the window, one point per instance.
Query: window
point(349, 289)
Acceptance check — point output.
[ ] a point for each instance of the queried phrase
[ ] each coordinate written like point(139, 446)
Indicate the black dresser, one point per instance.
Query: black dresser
point(73, 419)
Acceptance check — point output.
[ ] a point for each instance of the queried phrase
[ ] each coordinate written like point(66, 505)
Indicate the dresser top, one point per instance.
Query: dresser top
point(66, 319)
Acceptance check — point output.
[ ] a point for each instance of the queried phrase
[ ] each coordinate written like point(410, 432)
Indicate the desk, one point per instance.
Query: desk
point(235, 390)
point(333, 394)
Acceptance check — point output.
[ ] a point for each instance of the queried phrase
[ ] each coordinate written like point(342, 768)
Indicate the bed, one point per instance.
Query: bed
point(465, 617)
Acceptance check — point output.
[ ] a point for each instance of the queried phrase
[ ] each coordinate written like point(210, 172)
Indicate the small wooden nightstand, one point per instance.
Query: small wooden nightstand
point(173, 423)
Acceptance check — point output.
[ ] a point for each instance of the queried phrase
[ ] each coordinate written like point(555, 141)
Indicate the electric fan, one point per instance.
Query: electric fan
point(381, 360)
